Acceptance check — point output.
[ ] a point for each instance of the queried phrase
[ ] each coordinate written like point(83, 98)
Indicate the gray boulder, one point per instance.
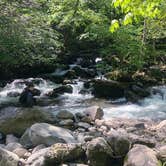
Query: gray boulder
point(119, 143)
point(141, 155)
point(17, 120)
point(44, 133)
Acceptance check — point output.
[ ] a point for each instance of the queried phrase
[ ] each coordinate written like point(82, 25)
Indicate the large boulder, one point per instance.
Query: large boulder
point(17, 120)
point(60, 153)
point(8, 158)
point(99, 152)
point(44, 133)
point(119, 143)
point(94, 112)
point(141, 155)
point(108, 89)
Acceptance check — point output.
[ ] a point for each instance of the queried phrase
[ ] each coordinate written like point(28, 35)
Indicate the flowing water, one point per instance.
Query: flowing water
point(153, 107)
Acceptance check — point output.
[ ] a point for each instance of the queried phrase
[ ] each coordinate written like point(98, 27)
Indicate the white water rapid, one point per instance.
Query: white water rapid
point(153, 107)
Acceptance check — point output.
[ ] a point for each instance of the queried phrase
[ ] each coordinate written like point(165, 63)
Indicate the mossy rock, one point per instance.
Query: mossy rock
point(22, 118)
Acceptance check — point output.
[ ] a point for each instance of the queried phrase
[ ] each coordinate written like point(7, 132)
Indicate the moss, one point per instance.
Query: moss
point(22, 121)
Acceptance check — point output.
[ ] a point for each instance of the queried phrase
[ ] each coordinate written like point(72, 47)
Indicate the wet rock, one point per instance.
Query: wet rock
point(17, 120)
point(119, 143)
point(94, 112)
point(11, 138)
point(161, 153)
point(140, 91)
point(60, 153)
point(84, 72)
point(20, 152)
point(13, 94)
point(8, 158)
point(108, 89)
point(65, 115)
point(131, 96)
point(37, 158)
point(141, 155)
point(12, 146)
point(60, 90)
point(43, 133)
point(59, 75)
point(99, 152)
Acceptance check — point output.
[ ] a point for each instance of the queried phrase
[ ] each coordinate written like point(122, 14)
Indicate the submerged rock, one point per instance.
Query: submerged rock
point(141, 155)
point(44, 133)
point(60, 90)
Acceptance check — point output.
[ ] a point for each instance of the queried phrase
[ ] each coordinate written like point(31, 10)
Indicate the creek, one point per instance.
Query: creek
point(153, 107)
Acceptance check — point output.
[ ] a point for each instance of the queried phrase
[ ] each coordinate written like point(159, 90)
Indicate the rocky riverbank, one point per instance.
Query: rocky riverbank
point(81, 139)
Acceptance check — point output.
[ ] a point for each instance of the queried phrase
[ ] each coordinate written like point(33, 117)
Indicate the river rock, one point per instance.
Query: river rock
point(161, 153)
point(65, 115)
point(60, 90)
point(83, 125)
point(44, 133)
point(94, 112)
point(17, 120)
point(60, 153)
point(119, 143)
point(141, 155)
point(20, 152)
point(11, 138)
point(99, 152)
point(37, 158)
point(12, 146)
point(108, 89)
point(8, 158)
